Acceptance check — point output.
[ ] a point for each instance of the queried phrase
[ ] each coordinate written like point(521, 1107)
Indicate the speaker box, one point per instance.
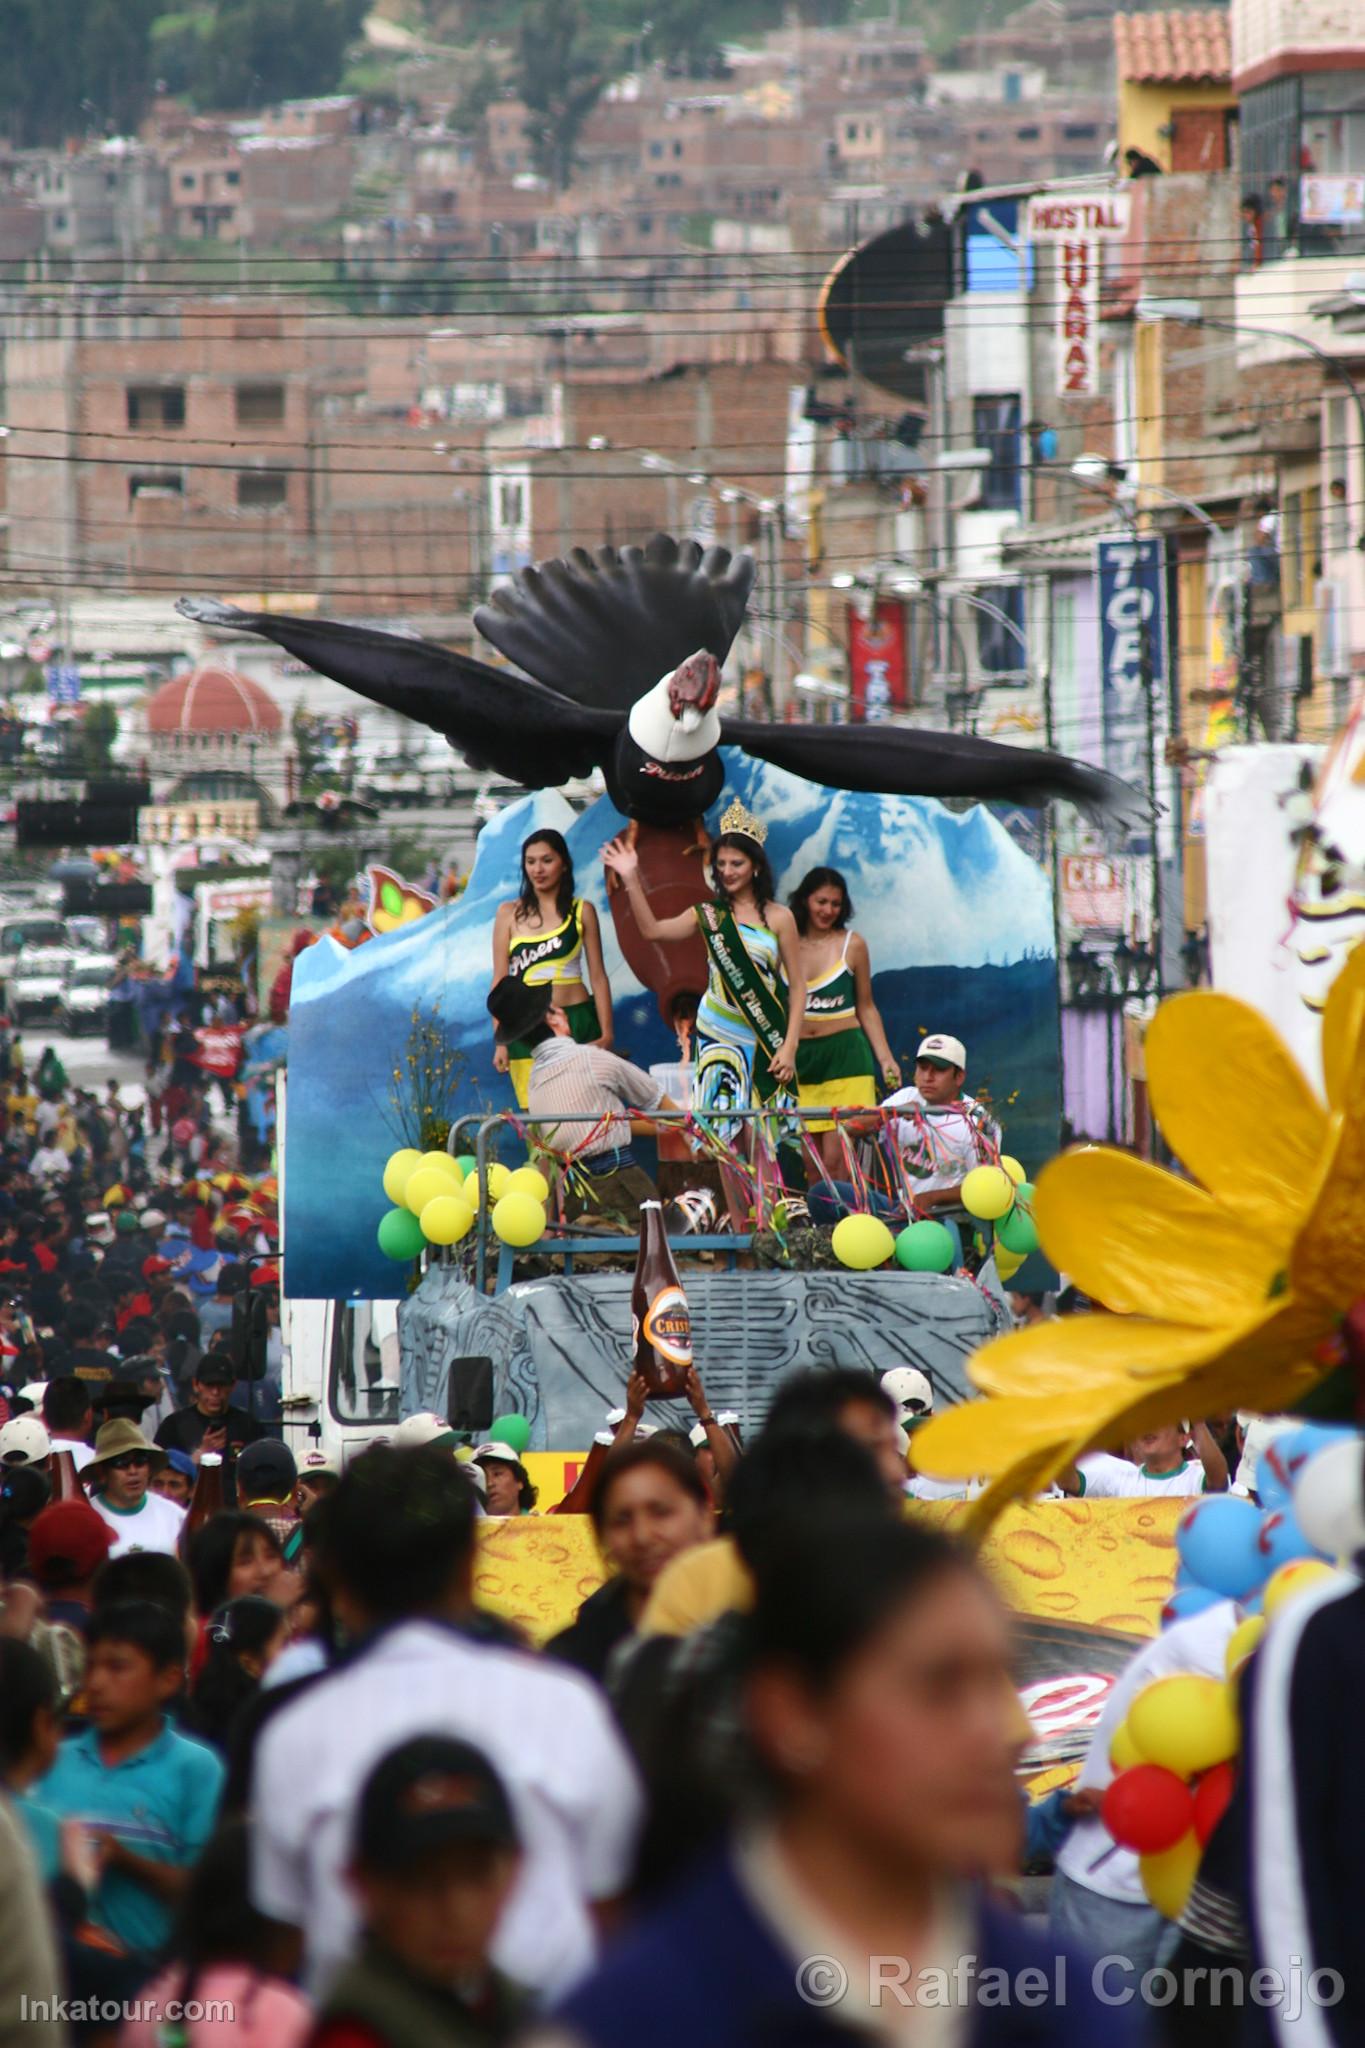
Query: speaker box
point(469, 1396)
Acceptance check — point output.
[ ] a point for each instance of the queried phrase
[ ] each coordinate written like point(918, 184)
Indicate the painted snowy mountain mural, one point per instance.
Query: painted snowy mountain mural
point(958, 919)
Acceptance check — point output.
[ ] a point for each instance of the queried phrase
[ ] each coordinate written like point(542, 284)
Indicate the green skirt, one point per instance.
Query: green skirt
point(838, 1072)
point(584, 1026)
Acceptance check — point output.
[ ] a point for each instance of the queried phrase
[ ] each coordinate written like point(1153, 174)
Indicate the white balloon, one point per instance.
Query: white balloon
point(1329, 1499)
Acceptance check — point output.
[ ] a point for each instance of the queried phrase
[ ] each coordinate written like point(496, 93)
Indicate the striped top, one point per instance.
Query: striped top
point(587, 1081)
point(833, 998)
point(718, 1016)
point(554, 958)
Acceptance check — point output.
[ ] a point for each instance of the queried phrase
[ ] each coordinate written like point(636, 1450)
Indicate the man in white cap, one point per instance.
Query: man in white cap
point(24, 1441)
point(943, 1133)
point(913, 1394)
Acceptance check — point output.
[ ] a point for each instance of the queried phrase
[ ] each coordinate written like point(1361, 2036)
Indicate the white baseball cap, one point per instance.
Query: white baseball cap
point(909, 1389)
point(24, 1441)
point(502, 1451)
point(946, 1051)
point(416, 1430)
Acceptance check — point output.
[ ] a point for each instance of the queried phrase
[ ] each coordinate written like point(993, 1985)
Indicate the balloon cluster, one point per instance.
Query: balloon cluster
point(1175, 1754)
point(436, 1199)
point(1001, 1195)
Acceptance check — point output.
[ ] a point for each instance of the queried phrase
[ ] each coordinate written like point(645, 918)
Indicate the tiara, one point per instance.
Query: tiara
point(737, 819)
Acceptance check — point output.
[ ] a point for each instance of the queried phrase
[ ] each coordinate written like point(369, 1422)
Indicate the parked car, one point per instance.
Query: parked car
point(37, 985)
point(85, 998)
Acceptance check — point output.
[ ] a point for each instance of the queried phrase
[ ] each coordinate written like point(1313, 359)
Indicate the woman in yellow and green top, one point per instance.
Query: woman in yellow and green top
point(844, 1059)
point(547, 935)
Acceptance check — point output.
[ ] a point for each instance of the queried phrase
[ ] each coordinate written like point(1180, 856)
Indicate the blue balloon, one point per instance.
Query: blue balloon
point(1188, 1600)
point(1282, 1540)
point(1281, 1466)
point(1219, 1545)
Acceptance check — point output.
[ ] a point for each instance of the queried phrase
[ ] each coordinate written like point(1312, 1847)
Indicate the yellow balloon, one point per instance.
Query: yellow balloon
point(1187, 1724)
point(446, 1219)
point(1123, 1751)
point(1168, 1877)
point(1007, 1263)
point(497, 1176)
point(397, 1170)
point(528, 1180)
point(1292, 1579)
point(1243, 1640)
point(987, 1193)
point(862, 1242)
point(518, 1219)
point(424, 1186)
point(443, 1163)
point(1013, 1169)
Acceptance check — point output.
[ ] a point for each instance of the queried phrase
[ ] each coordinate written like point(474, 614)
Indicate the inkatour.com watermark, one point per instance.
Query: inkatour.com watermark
point(1113, 1980)
point(112, 2012)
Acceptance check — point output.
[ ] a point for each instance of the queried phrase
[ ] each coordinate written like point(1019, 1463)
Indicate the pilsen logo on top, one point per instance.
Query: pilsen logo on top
point(1078, 225)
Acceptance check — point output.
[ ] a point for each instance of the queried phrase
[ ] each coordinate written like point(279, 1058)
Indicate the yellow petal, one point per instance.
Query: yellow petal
point(1328, 1264)
point(1077, 1354)
point(1209, 1056)
point(1343, 1025)
point(1146, 1243)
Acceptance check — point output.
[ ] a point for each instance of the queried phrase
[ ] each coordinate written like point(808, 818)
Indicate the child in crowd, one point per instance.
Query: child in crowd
point(227, 1961)
point(244, 1638)
point(147, 1796)
point(435, 1857)
point(175, 1480)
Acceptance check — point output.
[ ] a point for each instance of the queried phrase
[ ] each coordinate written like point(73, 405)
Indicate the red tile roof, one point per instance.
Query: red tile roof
point(1165, 49)
point(212, 700)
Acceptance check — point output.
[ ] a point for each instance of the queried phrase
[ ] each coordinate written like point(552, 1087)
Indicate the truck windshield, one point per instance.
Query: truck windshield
point(364, 1367)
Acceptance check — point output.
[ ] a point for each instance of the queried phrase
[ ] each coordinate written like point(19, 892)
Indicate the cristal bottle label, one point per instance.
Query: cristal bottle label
point(668, 1326)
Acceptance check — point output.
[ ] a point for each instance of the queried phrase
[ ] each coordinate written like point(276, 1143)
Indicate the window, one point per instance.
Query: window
point(232, 177)
point(656, 150)
point(1026, 134)
point(156, 405)
point(677, 149)
point(999, 648)
point(260, 489)
point(1079, 131)
point(187, 179)
point(995, 425)
point(155, 483)
point(260, 405)
point(511, 504)
point(1300, 547)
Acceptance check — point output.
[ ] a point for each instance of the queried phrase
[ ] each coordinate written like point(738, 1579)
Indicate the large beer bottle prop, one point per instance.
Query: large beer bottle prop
point(206, 1501)
point(661, 1325)
point(66, 1483)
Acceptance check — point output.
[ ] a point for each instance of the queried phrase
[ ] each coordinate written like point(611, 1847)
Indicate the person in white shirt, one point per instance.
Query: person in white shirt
point(49, 1162)
point(1158, 1465)
point(943, 1133)
point(1098, 1900)
point(70, 1418)
point(119, 1477)
point(395, 1541)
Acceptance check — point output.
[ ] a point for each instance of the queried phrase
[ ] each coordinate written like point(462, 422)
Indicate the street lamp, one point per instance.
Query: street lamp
point(1189, 313)
point(1097, 472)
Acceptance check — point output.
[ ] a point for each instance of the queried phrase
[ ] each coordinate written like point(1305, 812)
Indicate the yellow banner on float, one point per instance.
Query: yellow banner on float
point(1103, 1564)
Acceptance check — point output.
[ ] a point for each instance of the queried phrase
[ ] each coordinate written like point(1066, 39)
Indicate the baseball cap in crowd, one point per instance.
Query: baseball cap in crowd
point(24, 1441)
point(415, 1431)
point(97, 1225)
point(153, 1268)
point(266, 1471)
point(67, 1542)
point(127, 1223)
point(942, 1050)
point(427, 1795)
point(911, 1392)
point(485, 1452)
point(153, 1219)
point(215, 1369)
point(183, 1463)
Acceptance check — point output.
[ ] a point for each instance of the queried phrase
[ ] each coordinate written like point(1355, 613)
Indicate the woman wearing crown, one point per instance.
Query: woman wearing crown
point(749, 1021)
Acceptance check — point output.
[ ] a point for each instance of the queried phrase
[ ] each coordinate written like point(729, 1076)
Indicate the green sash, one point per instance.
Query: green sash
point(750, 993)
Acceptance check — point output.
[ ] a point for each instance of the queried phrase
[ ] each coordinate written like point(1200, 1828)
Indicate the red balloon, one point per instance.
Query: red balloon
point(1211, 1797)
point(1148, 1809)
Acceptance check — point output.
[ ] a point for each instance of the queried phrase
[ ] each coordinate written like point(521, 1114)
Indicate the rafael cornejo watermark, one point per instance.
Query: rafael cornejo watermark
point(1116, 1980)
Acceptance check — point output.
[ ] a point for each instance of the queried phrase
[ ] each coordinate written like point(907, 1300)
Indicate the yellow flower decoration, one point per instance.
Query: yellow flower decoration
point(1225, 1290)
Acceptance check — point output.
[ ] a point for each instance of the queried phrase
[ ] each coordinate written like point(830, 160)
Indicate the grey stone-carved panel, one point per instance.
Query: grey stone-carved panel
point(561, 1347)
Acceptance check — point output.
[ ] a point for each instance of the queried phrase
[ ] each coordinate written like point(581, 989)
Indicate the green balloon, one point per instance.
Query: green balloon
point(925, 1247)
point(513, 1430)
point(391, 898)
point(1017, 1231)
point(400, 1235)
point(467, 1164)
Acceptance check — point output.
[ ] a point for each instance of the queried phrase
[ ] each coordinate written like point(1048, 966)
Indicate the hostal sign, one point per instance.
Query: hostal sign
point(1079, 225)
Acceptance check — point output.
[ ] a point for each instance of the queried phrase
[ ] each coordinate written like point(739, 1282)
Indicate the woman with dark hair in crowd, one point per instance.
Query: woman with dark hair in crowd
point(844, 1059)
point(244, 1638)
point(547, 934)
point(650, 1505)
point(882, 1712)
point(235, 1554)
point(227, 1967)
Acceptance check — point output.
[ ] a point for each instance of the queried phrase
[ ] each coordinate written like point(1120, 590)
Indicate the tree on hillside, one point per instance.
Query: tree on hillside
point(560, 78)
